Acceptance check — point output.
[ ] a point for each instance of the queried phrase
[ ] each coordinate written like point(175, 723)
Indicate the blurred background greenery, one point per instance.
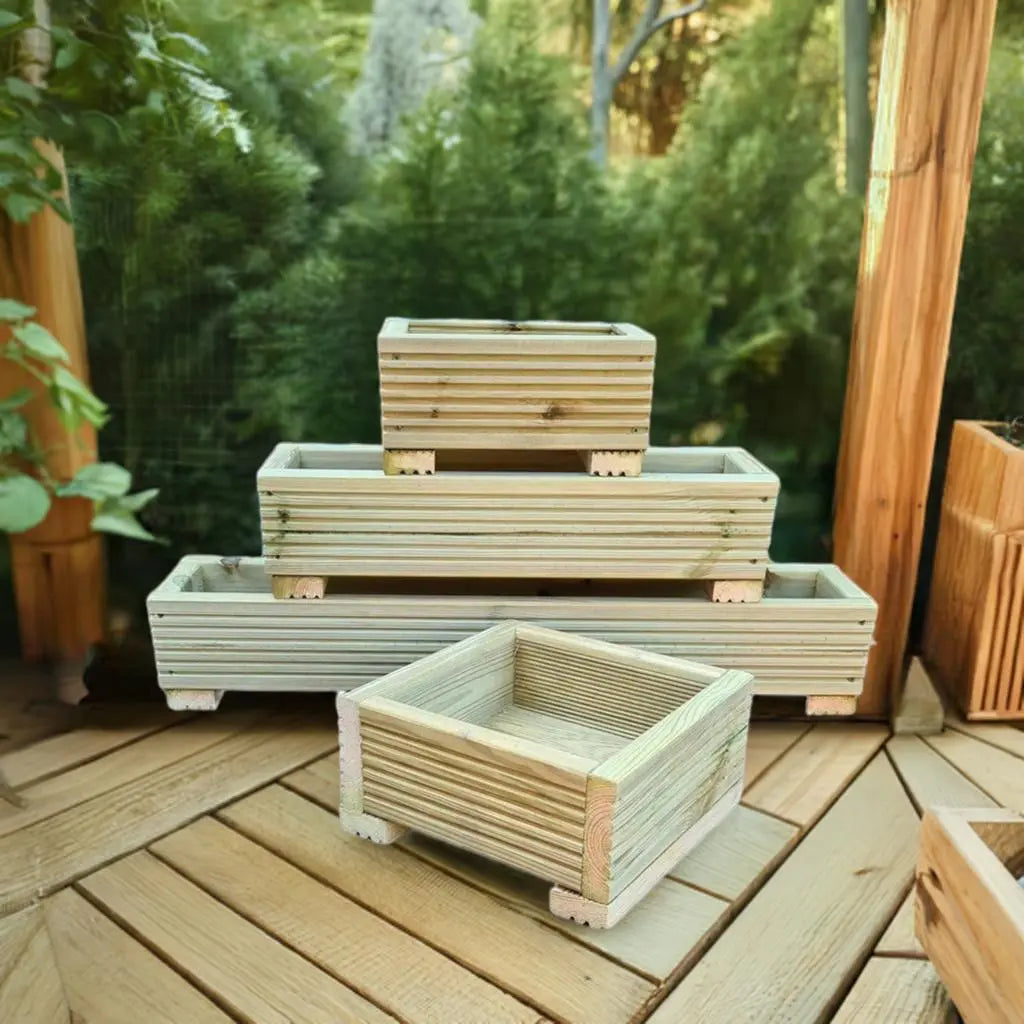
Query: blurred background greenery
point(432, 158)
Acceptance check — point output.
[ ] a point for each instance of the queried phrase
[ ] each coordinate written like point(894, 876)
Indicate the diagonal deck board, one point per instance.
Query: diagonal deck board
point(48, 854)
point(31, 991)
point(112, 978)
point(1006, 737)
point(931, 780)
point(804, 936)
point(998, 773)
point(253, 974)
point(528, 959)
point(899, 938)
point(339, 936)
point(767, 742)
point(59, 792)
point(812, 772)
point(104, 729)
point(896, 992)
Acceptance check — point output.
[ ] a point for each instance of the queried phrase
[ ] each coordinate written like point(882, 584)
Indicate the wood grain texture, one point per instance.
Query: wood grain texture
point(475, 385)
point(974, 632)
point(930, 779)
point(899, 939)
point(920, 710)
point(802, 783)
point(563, 978)
point(339, 936)
point(970, 913)
point(255, 976)
point(1005, 737)
point(336, 515)
point(995, 771)
point(796, 962)
point(48, 854)
point(218, 627)
point(31, 991)
point(767, 742)
point(931, 86)
point(112, 978)
point(896, 992)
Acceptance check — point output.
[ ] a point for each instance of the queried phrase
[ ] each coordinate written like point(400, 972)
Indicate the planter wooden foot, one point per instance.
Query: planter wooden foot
point(836, 704)
point(193, 700)
point(419, 462)
point(368, 826)
point(613, 463)
point(301, 587)
point(734, 591)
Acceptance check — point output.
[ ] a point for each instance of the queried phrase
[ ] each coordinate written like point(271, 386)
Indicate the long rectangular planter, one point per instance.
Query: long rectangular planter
point(974, 631)
point(594, 766)
point(216, 626)
point(694, 513)
point(495, 384)
point(969, 913)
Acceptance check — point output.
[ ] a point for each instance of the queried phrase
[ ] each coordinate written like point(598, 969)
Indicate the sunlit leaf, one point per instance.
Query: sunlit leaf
point(24, 503)
point(11, 310)
point(39, 342)
point(22, 90)
point(122, 522)
point(21, 207)
point(97, 480)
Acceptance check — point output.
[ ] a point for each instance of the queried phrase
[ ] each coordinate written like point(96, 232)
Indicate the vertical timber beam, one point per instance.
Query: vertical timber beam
point(934, 63)
point(58, 567)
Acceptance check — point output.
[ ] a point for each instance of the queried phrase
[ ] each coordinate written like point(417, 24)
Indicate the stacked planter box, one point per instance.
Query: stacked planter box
point(974, 632)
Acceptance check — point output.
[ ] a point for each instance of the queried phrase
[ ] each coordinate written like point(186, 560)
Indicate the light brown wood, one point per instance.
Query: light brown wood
point(840, 704)
point(767, 742)
point(396, 462)
point(255, 976)
point(301, 587)
point(899, 938)
point(694, 513)
point(46, 855)
point(563, 978)
point(919, 711)
point(931, 86)
point(193, 700)
point(795, 960)
point(735, 591)
point(896, 992)
point(930, 779)
point(970, 911)
point(339, 936)
point(30, 985)
point(613, 463)
point(974, 629)
point(999, 774)
point(468, 385)
point(801, 784)
point(216, 626)
point(433, 756)
point(109, 976)
point(1005, 737)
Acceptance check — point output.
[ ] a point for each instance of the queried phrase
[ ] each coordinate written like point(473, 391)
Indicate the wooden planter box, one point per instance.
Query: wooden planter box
point(216, 626)
point(593, 766)
point(974, 633)
point(695, 513)
point(494, 384)
point(969, 914)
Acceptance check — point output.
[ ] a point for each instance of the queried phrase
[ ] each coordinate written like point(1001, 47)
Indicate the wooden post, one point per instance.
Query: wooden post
point(934, 64)
point(58, 568)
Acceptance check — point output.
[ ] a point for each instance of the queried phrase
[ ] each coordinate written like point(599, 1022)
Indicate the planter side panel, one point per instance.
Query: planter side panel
point(499, 805)
point(673, 788)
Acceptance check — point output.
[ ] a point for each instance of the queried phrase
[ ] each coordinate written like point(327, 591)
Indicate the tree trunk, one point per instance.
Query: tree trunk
point(856, 38)
point(602, 86)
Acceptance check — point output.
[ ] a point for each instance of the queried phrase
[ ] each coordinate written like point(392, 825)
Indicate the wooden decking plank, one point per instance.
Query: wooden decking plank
point(522, 956)
point(1007, 737)
point(767, 742)
point(105, 728)
point(896, 991)
point(339, 936)
point(30, 984)
point(110, 977)
point(998, 773)
point(734, 856)
point(58, 792)
point(805, 780)
point(253, 975)
point(899, 938)
point(42, 857)
point(931, 780)
point(662, 931)
point(794, 949)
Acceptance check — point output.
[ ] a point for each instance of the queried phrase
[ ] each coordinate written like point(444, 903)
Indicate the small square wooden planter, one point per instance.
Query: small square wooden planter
point(494, 384)
point(592, 766)
point(969, 914)
point(974, 632)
